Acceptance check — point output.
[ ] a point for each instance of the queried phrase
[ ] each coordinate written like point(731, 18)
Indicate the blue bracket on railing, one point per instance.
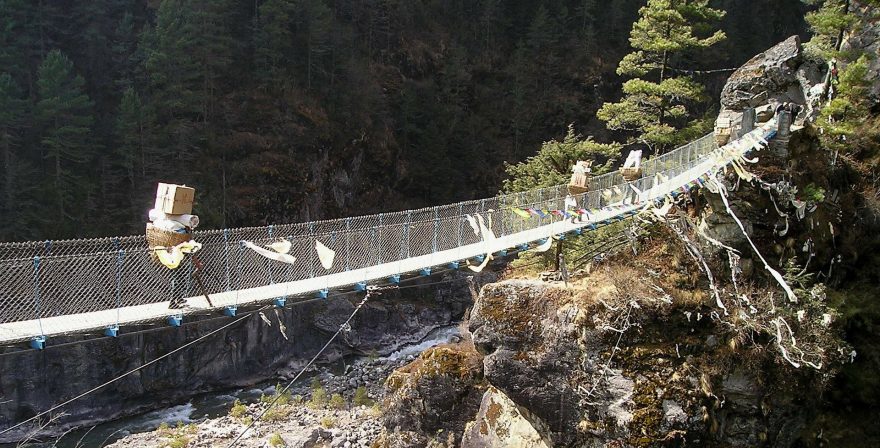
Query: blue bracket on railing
point(480, 258)
point(502, 253)
point(175, 320)
point(38, 343)
point(279, 302)
point(523, 247)
point(579, 231)
point(542, 241)
point(322, 293)
point(360, 286)
point(230, 310)
point(453, 265)
point(425, 272)
point(560, 237)
point(395, 279)
point(112, 331)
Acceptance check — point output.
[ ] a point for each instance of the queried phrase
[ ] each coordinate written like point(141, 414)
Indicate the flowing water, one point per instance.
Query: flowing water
point(216, 404)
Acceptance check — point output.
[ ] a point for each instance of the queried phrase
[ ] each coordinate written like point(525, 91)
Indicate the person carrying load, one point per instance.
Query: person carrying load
point(580, 177)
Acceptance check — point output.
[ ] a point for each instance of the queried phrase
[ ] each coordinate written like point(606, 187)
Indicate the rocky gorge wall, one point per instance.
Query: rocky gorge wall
point(260, 347)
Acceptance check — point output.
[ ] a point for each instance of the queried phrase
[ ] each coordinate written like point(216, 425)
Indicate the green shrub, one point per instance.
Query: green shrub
point(277, 414)
point(238, 410)
point(328, 422)
point(814, 193)
point(319, 395)
point(276, 440)
point(361, 397)
point(337, 402)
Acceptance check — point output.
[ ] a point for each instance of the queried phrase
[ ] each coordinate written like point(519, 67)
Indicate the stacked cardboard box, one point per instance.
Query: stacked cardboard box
point(174, 199)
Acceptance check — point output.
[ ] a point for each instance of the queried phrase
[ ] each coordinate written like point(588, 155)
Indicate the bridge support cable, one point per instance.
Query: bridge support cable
point(279, 393)
point(132, 371)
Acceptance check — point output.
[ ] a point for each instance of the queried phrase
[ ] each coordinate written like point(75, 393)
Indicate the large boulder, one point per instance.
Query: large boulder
point(779, 75)
point(438, 391)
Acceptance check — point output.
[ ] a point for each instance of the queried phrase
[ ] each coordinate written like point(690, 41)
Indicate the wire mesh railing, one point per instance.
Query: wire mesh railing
point(44, 279)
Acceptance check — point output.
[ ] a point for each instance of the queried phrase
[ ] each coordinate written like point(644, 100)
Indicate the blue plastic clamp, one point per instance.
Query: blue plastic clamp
point(38, 343)
point(395, 279)
point(230, 310)
point(454, 265)
point(322, 294)
point(523, 247)
point(175, 320)
point(112, 331)
point(480, 258)
point(360, 286)
point(502, 253)
point(425, 272)
point(279, 302)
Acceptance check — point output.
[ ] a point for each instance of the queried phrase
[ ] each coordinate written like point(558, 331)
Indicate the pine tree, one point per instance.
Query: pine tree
point(15, 181)
point(656, 109)
point(829, 23)
point(64, 115)
point(274, 43)
point(552, 165)
point(318, 20)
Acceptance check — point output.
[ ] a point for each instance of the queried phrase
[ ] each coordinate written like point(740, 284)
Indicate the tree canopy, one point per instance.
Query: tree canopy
point(655, 102)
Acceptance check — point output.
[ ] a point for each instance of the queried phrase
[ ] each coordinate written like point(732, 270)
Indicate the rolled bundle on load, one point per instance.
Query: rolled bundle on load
point(187, 220)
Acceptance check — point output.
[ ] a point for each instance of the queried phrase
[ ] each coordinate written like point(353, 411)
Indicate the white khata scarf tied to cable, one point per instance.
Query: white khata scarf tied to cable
point(722, 191)
point(281, 246)
point(488, 240)
point(325, 254)
point(270, 254)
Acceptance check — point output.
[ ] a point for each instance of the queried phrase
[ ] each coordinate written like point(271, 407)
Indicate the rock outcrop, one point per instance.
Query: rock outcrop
point(500, 422)
point(779, 75)
point(437, 393)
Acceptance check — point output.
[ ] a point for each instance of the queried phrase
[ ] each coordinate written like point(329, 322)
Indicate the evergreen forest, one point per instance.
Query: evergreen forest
point(291, 110)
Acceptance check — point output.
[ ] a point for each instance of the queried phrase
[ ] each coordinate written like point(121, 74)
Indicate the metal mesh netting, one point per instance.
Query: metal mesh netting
point(42, 279)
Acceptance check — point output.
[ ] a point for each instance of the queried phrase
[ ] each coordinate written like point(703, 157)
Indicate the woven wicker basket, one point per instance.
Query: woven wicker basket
point(631, 174)
point(158, 237)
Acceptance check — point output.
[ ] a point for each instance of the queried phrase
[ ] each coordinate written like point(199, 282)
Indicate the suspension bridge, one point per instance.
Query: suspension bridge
point(56, 288)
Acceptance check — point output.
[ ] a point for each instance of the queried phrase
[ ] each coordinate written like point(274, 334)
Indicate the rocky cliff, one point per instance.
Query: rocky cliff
point(688, 338)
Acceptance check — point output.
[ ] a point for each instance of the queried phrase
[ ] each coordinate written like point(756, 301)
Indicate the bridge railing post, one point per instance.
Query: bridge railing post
point(436, 228)
point(347, 243)
point(377, 238)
